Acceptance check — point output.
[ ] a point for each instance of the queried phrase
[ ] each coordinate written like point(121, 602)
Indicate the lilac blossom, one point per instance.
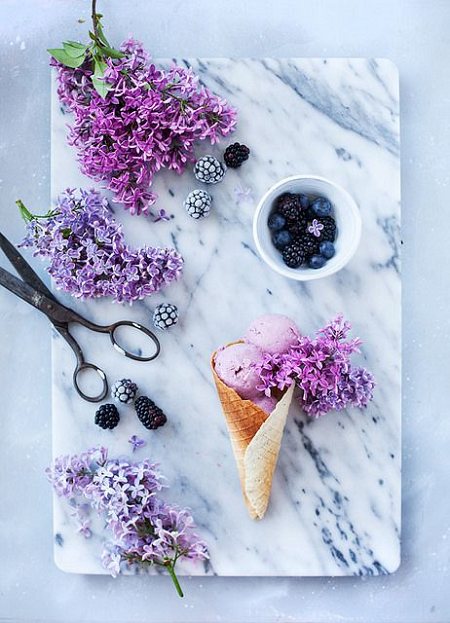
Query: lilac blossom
point(150, 119)
point(87, 253)
point(322, 370)
point(315, 228)
point(144, 529)
point(137, 442)
point(243, 195)
point(162, 216)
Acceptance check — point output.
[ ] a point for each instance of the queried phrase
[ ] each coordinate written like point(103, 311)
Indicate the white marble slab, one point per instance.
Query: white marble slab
point(335, 507)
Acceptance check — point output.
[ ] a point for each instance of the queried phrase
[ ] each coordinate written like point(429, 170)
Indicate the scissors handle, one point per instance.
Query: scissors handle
point(112, 329)
point(90, 366)
point(81, 366)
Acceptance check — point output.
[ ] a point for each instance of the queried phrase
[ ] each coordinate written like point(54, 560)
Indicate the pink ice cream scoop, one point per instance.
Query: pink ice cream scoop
point(272, 333)
point(234, 366)
point(266, 403)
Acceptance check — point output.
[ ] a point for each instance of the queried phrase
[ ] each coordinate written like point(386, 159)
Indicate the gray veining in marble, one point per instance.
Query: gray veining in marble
point(335, 505)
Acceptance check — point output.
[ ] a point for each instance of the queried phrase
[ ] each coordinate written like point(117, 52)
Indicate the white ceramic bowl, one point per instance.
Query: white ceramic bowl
point(346, 214)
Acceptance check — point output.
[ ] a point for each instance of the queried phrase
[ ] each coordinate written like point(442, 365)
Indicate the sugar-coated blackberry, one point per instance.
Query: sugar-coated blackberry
point(293, 255)
point(209, 170)
point(198, 203)
point(107, 416)
point(235, 155)
point(149, 414)
point(165, 316)
point(124, 391)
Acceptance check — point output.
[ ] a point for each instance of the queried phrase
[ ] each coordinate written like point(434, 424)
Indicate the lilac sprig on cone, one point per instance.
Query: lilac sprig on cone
point(321, 368)
point(144, 530)
point(87, 254)
point(148, 120)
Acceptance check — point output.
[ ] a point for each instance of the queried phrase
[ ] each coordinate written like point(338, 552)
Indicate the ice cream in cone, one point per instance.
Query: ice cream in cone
point(255, 422)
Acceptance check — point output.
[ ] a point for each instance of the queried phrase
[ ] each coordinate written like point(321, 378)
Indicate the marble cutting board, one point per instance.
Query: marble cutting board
point(335, 505)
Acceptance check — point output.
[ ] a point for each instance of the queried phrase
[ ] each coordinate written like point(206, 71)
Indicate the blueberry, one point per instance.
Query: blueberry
point(317, 261)
point(276, 221)
point(326, 249)
point(303, 201)
point(281, 239)
point(321, 206)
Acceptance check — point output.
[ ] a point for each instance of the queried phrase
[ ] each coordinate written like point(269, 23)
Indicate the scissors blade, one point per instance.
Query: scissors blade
point(20, 288)
point(23, 268)
point(58, 315)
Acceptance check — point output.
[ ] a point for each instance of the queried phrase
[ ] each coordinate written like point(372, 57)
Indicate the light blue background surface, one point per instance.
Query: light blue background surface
point(414, 34)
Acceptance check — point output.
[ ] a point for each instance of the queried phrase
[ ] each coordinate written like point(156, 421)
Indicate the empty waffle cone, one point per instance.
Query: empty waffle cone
point(256, 440)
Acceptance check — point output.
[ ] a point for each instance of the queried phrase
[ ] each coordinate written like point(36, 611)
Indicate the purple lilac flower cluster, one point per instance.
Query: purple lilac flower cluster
point(148, 120)
point(144, 529)
point(322, 369)
point(88, 255)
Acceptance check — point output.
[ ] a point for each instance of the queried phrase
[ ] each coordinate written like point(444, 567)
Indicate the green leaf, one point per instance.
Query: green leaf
point(101, 87)
point(64, 58)
point(99, 67)
point(101, 34)
point(76, 44)
point(99, 38)
point(112, 52)
point(74, 51)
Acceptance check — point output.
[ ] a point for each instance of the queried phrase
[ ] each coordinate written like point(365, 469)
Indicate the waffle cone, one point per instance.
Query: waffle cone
point(256, 439)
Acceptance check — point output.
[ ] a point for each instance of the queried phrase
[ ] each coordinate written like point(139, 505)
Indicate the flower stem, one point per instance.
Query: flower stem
point(94, 17)
point(24, 212)
point(173, 575)
point(29, 216)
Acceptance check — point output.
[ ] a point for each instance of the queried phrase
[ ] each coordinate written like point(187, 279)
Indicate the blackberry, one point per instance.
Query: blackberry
point(209, 170)
point(298, 227)
point(235, 155)
point(149, 414)
point(309, 245)
point(329, 229)
point(124, 391)
point(284, 198)
point(107, 416)
point(293, 255)
point(289, 207)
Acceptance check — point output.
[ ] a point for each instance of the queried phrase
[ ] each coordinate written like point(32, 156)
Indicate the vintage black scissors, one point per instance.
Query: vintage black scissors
point(32, 290)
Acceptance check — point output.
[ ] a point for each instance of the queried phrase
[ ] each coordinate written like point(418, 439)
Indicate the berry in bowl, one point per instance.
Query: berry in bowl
point(306, 227)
